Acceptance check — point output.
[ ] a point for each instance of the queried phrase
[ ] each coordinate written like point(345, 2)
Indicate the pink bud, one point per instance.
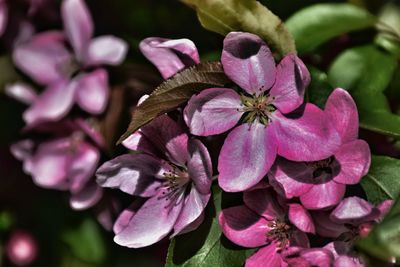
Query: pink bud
point(364, 229)
point(21, 248)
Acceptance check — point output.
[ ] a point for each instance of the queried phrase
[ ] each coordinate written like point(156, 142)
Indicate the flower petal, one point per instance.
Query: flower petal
point(264, 203)
point(266, 256)
point(169, 56)
point(354, 159)
point(199, 166)
point(108, 50)
point(126, 215)
point(292, 78)
point(325, 226)
point(21, 92)
point(243, 227)
point(246, 156)
point(318, 257)
point(151, 223)
point(300, 217)
point(78, 25)
point(248, 62)
point(213, 111)
point(347, 261)
point(354, 210)
point(87, 197)
point(342, 111)
point(138, 142)
point(384, 207)
point(301, 134)
point(92, 91)
point(3, 17)
point(131, 173)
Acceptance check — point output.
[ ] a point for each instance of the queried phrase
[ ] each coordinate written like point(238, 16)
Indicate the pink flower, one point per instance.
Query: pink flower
point(21, 248)
point(306, 257)
point(69, 78)
point(322, 184)
point(173, 172)
point(273, 123)
point(264, 221)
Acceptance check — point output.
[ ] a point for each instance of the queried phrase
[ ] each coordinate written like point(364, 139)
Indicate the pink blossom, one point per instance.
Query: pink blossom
point(69, 78)
point(274, 121)
point(172, 172)
point(22, 248)
point(321, 184)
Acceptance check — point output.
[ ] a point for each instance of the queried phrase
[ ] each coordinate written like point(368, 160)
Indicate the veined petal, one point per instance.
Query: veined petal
point(108, 50)
point(248, 62)
point(342, 111)
point(199, 166)
point(354, 210)
point(87, 197)
point(126, 215)
point(354, 158)
point(318, 257)
point(21, 92)
point(152, 222)
point(92, 91)
point(347, 261)
point(325, 226)
point(246, 156)
point(264, 203)
point(266, 256)
point(213, 111)
point(78, 26)
point(131, 173)
point(292, 78)
point(300, 135)
point(300, 217)
point(138, 142)
point(243, 226)
point(169, 56)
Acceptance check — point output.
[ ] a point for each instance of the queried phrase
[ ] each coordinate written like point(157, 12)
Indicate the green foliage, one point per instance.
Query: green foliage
point(314, 25)
point(224, 16)
point(319, 89)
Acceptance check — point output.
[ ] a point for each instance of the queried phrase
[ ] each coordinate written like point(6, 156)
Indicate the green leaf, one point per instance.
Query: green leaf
point(319, 89)
point(314, 25)
point(366, 72)
point(86, 242)
point(383, 179)
point(176, 91)
point(224, 16)
point(206, 246)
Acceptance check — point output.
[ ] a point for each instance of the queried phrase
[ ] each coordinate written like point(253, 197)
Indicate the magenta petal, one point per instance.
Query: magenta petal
point(126, 216)
point(325, 226)
point(327, 193)
point(300, 136)
point(23, 149)
point(292, 178)
point(152, 222)
point(21, 92)
point(193, 207)
point(248, 62)
point(243, 227)
point(169, 56)
point(138, 142)
point(264, 203)
point(108, 50)
point(318, 257)
point(300, 239)
point(342, 111)
point(199, 166)
point(266, 256)
point(131, 173)
point(354, 159)
point(193, 225)
point(3, 17)
point(346, 261)
point(300, 217)
point(384, 207)
point(87, 197)
point(220, 104)
point(354, 210)
point(292, 78)
point(246, 156)
point(78, 25)
point(92, 91)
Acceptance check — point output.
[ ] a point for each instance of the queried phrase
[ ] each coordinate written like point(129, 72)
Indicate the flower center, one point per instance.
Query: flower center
point(280, 232)
point(176, 180)
point(322, 166)
point(257, 107)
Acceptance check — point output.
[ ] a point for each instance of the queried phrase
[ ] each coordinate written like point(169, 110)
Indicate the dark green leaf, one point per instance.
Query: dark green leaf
point(224, 16)
point(319, 89)
point(383, 179)
point(319, 23)
point(176, 91)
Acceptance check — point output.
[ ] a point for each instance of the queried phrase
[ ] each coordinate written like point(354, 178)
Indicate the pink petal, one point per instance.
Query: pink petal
point(108, 50)
point(346, 261)
point(300, 217)
point(193, 225)
point(354, 210)
point(138, 142)
point(324, 194)
point(248, 62)
point(52, 105)
point(300, 136)
point(342, 111)
point(126, 216)
point(292, 78)
point(318, 257)
point(243, 227)
point(384, 207)
point(220, 104)
point(293, 178)
point(338, 248)
point(21, 92)
point(78, 25)
point(263, 202)
point(325, 226)
point(354, 159)
point(266, 256)
point(199, 166)
point(87, 197)
point(193, 207)
point(3, 17)
point(44, 58)
point(152, 222)
point(92, 91)
point(169, 56)
point(131, 173)
point(299, 238)
point(246, 156)
point(23, 149)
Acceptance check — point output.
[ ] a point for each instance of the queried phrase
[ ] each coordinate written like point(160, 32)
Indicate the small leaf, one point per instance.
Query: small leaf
point(314, 25)
point(224, 16)
point(176, 91)
point(383, 179)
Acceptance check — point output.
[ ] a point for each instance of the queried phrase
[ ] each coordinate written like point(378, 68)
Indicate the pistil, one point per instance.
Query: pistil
point(280, 232)
point(257, 107)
